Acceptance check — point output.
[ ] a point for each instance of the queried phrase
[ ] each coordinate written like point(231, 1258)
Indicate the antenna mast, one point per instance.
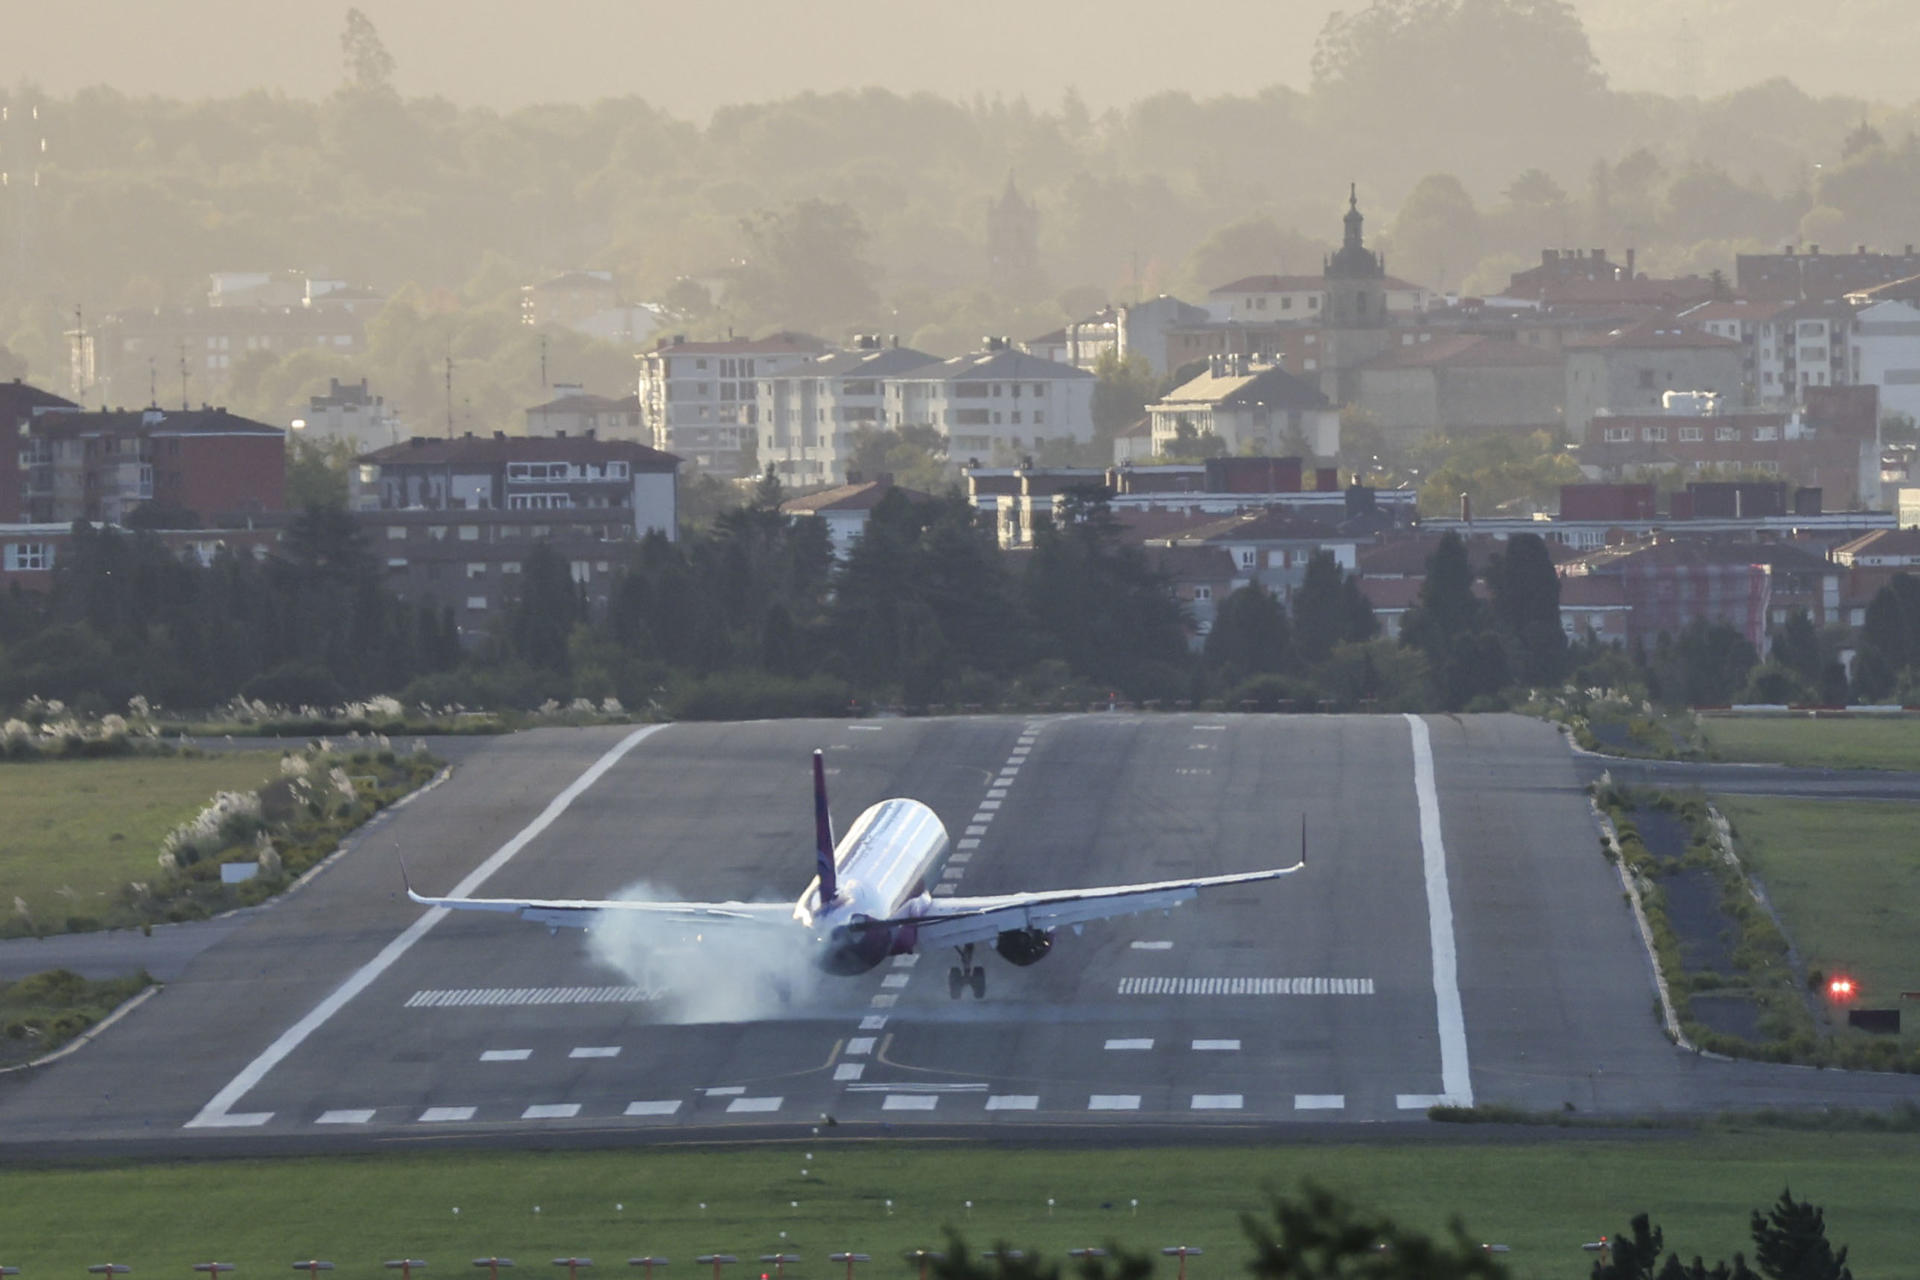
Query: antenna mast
point(183, 375)
point(449, 391)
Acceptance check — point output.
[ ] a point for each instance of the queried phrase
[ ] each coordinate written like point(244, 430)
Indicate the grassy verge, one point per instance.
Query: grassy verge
point(76, 831)
point(1542, 1199)
point(1828, 743)
point(1844, 877)
point(43, 1011)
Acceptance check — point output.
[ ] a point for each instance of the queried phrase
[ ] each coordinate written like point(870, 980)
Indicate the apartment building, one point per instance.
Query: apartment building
point(998, 402)
point(699, 400)
point(809, 413)
point(103, 466)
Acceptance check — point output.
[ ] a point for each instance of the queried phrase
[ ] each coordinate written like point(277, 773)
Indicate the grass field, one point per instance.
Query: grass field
point(77, 830)
point(1542, 1199)
point(1844, 877)
point(1862, 743)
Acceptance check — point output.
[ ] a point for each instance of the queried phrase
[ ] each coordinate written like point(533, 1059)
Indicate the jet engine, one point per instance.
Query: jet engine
point(854, 949)
point(1023, 946)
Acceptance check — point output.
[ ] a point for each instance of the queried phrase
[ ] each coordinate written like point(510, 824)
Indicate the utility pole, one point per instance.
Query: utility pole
point(183, 375)
point(449, 390)
point(543, 362)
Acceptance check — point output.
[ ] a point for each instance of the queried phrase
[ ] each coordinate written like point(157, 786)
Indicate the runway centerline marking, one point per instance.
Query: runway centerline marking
point(358, 1116)
point(1152, 946)
point(551, 1111)
point(910, 1102)
point(1216, 1046)
point(1218, 1101)
point(664, 1107)
point(1319, 1102)
point(754, 1104)
point(218, 1111)
point(1129, 1044)
point(596, 1051)
point(1114, 1102)
point(441, 1115)
point(1456, 1080)
point(1014, 1102)
point(506, 1055)
point(849, 1071)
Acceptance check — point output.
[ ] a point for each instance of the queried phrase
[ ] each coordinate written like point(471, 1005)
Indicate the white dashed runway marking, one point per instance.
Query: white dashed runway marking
point(1246, 987)
point(1013, 1102)
point(859, 1045)
point(896, 980)
point(1114, 1102)
point(440, 1115)
point(1216, 1046)
point(849, 1071)
point(739, 1105)
point(506, 1055)
point(873, 1022)
point(725, 1091)
point(1152, 946)
point(1319, 1101)
point(910, 1102)
point(551, 1111)
point(1217, 1102)
point(500, 997)
point(663, 1107)
point(596, 1051)
point(345, 1117)
point(1129, 1044)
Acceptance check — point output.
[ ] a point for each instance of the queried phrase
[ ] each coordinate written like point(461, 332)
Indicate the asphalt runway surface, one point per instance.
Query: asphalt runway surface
point(1455, 937)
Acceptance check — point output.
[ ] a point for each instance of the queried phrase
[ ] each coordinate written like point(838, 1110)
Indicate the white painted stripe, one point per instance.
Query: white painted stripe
point(1217, 1046)
point(860, 1045)
point(943, 890)
point(865, 728)
point(884, 1000)
point(1019, 752)
point(1014, 1102)
point(551, 1111)
point(439, 1115)
point(996, 793)
point(968, 842)
point(214, 1114)
point(1217, 1101)
point(952, 873)
point(1164, 986)
point(1130, 1044)
point(596, 1051)
point(345, 1117)
point(978, 830)
point(725, 1091)
point(1209, 728)
point(849, 1071)
point(988, 806)
point(884, 1086)
point(1319, 1102)
point(506, 1055)
point(1419, 1101)
point(664, 1107)
point(906, 961)
point(1114, 1102)
point(1456, 1079)
point(873, 1022)
point(754, 1105)
point(238, 1120)
point(1152, 946)
point(961, 859)
point(896, 980)
point(910, 1102)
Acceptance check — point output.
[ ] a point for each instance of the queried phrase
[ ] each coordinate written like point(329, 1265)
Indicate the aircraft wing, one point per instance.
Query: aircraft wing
point(582, 913)
point(957, 921)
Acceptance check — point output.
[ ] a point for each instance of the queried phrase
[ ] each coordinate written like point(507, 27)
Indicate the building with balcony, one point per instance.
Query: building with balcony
point(104, 466)
point(1000, 402)
point(809, 412)
point(699, 400)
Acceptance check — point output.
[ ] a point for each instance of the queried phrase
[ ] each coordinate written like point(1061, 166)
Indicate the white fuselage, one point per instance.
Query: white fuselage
point(884, 864)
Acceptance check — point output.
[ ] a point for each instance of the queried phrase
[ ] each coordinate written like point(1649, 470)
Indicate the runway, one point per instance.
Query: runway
point(1455, 937)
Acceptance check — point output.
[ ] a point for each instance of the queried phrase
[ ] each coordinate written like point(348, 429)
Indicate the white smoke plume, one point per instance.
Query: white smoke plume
point(721, 971)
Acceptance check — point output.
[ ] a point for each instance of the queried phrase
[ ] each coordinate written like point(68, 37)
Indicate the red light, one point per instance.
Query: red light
point(1840, 989)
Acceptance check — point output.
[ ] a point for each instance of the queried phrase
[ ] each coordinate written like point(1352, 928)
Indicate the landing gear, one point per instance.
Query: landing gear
point(966, 975)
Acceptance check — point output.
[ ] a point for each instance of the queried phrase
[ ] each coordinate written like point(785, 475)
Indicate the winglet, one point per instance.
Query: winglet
point(407, 880)
point(823, 831)
point(1303, 839)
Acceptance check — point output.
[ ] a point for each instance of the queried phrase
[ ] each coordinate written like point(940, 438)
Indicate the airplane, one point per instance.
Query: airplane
point(869, 899)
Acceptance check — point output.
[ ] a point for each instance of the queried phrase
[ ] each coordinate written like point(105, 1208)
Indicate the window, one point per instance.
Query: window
point(396, 533)
point(1692, 434)
point(1203, 593)
point(1654, 434)
point(476, 569)
point(437, 533)
point(1039, 417)
point(539, 502)
point(469, 533)
point(1246, 558)
point(1766, 433)
point(476, 602)
point(1726, 433)
point(397, 562)
point(509, 566)
point(1619, 435)
point(581, 570)
point(26, 556)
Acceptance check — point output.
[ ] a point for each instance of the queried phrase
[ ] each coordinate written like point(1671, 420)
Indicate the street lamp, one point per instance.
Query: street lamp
point(849, 1259)
point(1183, 1252)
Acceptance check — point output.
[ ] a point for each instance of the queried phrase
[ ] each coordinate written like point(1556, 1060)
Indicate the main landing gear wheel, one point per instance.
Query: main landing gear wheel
point(966, 974)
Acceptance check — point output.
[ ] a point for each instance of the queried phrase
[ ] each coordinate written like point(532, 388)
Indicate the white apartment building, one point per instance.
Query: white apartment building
point(1803, 345)
point(1886, 353)
point(809, 412)
point(699, 400)
point(1280, 299)
point(998, 402)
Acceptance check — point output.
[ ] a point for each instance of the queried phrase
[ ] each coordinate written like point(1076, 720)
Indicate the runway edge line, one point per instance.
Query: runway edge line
point(1456, 1081)
point(219, 1113)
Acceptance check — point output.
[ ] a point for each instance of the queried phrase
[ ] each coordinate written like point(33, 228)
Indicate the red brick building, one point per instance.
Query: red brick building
point(102, 466)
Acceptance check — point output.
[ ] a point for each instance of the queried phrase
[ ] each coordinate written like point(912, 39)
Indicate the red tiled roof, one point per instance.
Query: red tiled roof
point(864, 496)
point(493, 450)
point(1192, 564)
point(1463, 351)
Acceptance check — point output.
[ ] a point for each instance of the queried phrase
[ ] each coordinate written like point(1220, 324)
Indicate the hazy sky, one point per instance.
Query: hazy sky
point(690, 56)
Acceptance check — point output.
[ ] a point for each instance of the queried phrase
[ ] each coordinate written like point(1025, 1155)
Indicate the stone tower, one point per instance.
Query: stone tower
point(1356, 311)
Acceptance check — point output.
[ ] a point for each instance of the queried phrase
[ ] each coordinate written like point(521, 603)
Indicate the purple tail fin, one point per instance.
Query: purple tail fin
point(823, 831)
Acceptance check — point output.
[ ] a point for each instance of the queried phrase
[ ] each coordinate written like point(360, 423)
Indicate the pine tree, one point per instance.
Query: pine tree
point(1790, 1242)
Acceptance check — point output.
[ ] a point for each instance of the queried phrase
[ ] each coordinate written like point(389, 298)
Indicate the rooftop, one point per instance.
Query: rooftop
point(1270, 385)
point(491, 451)
point(1464, 351)
point(864, 496)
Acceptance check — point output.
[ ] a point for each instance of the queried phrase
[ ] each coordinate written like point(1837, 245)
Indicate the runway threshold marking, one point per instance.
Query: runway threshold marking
point(1456, 1080)
point(219, 1113)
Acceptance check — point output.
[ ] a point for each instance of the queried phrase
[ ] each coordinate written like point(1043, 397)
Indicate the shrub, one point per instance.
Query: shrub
point(753, 695)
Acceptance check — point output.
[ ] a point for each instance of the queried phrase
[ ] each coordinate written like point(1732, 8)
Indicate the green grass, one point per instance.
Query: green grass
point(1860, 743)
point(1541, 1198)
point(43, 1011)
point(77, 830)
point(1844, 877)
